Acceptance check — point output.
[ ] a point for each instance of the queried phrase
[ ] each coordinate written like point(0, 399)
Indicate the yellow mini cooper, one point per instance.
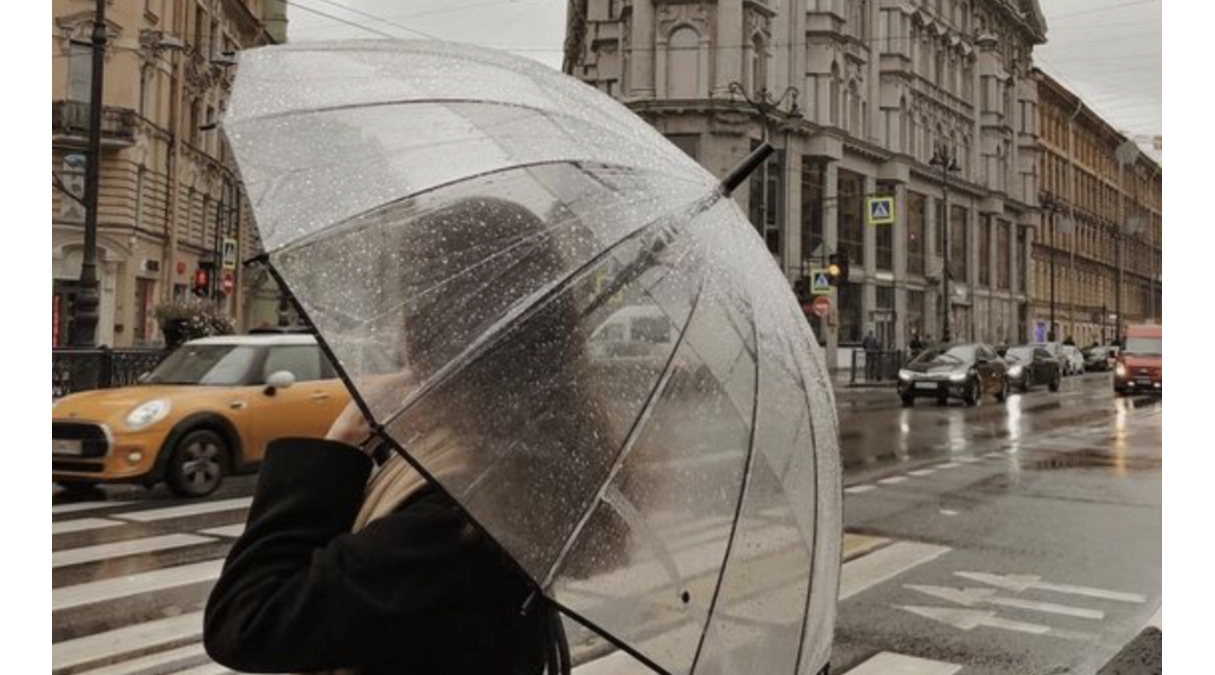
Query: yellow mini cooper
point(207, 411)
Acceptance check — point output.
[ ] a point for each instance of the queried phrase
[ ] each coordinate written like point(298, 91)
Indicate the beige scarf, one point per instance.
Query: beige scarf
point(396, 481)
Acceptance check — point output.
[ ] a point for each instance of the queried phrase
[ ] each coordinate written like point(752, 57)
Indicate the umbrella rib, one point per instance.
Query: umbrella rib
point(742, 496)
point(616, 642)
point(512, 322)
point(814, 553)
point(630, 441)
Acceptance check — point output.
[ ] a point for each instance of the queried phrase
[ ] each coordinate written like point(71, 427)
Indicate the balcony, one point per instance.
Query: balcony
point(70, 125)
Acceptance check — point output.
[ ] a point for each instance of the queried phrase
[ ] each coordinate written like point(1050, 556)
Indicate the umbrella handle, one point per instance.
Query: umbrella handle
point(744, 170)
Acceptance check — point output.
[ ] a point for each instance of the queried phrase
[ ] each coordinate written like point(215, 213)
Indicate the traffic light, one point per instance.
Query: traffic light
point(202, 281)
point(837, 268)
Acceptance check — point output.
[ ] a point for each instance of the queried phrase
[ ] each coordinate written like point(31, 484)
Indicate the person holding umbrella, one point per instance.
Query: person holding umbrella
point(481, 230)
point(351, 559)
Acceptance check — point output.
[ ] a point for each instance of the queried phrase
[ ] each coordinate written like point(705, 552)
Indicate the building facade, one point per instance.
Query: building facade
point(169, 200)
point(858, 96)
point(1101, 222)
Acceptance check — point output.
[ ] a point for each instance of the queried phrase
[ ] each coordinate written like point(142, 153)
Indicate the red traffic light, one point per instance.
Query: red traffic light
point(202, 281)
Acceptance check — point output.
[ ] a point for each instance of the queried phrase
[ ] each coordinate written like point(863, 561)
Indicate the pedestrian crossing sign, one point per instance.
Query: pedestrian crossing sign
point(880, 210)
point(820, 282)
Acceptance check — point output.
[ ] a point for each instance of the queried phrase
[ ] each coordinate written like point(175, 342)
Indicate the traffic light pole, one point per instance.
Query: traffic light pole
point(945, 160)
point(84, 310)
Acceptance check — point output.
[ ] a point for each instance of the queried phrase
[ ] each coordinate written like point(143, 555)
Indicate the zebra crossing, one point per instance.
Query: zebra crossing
point(130, 581)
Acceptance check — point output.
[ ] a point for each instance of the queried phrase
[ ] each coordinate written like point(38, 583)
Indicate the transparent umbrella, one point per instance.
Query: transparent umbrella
point(605, 368)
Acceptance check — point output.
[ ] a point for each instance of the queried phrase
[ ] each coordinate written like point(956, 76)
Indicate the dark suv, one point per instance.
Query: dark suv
point(966, 371)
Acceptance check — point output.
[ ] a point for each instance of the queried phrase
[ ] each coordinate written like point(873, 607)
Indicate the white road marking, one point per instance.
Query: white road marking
point(880, 566)
point(89, 554)
point(231, 531)
point(969, 619)
point(922, 473)
point(159, 662)
point(82, 525)
point(893, 480)
point(128, 640)
point(969, 597)
point(85, 506)
point(1019, 583)
point(948, 512)
point(859, 489)
point(187, 510)
point(887, 663)
point(146, 582)
point(205, 669)
point(969, 460)
point(948, 465)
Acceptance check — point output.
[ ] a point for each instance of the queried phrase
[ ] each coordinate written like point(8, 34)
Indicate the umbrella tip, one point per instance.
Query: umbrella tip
point(744, 170)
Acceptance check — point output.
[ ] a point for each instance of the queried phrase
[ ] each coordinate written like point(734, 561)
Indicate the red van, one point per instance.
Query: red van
point(1139, 368)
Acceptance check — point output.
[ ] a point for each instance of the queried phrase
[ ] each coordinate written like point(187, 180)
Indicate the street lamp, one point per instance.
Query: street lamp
point(84, 310)
point(1126, 153)
point(1050, 207)
point(942, 157)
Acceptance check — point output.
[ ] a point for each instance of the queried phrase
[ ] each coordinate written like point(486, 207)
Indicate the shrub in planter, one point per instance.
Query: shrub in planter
point(189, 319)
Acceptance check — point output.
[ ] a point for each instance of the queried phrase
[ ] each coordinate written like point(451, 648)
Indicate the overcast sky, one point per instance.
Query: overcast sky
point(1109, 51)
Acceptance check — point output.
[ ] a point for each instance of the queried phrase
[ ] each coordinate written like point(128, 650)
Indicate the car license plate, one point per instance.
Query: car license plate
point(66, 447)
point(926, 385)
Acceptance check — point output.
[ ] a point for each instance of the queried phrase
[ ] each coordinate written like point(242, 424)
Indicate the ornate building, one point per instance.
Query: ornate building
point(1101, 221)
point(858, 96)
point(168, 199)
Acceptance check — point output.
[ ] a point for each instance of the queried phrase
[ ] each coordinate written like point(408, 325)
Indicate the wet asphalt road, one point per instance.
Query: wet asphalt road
point(1022, 538)
point(1026, 536)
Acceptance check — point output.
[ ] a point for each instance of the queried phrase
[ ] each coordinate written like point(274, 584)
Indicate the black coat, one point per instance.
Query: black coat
point(418, 591)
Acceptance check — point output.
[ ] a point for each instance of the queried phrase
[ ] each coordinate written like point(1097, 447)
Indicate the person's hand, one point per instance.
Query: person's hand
point(350, 427)
point(380, 393)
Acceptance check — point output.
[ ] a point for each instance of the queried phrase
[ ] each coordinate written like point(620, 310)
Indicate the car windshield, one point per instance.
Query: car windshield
point(1144, 346)
point(207, 365)
point(948, 355)
point(1020, 354)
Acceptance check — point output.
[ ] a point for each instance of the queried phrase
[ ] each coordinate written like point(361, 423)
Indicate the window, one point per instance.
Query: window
point(80, 73)
point(689, 143)
point(985, 252)
point(917, 216)
point(302, 361)
point(765, 201)
point(959, 243)
point(683, 63)
point(814, 178)
point(852, 217)
point(1003, 255)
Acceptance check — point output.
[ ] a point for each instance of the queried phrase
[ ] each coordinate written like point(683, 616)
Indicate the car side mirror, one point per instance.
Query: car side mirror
point(144, 377)
point(282, 379)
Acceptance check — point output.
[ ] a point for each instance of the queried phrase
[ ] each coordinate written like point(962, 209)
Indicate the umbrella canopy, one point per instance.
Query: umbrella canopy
point(604, 366)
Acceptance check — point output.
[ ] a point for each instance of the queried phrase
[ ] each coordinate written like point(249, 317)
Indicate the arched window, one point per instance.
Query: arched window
point(835, 94)
point(759, 64)
point(683, 63)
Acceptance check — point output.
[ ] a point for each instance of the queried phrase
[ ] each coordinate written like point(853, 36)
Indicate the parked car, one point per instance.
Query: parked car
point(967, 372)
point(1030, 366)
point(207, 411)
point(1140, 366)
point(1100, 359)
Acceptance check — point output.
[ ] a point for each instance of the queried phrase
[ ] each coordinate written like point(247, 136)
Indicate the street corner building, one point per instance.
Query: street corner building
point(170, 204)
point(933, 107)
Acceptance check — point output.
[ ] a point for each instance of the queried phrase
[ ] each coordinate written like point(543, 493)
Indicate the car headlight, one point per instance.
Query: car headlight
point(905, 375)
point(958, 377)
point(148, 414)
point(1016, 371)
point(1120, 370)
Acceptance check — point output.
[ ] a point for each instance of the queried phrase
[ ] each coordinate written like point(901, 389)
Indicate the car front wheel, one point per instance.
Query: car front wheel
point(973, 393)
point(196, 467)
